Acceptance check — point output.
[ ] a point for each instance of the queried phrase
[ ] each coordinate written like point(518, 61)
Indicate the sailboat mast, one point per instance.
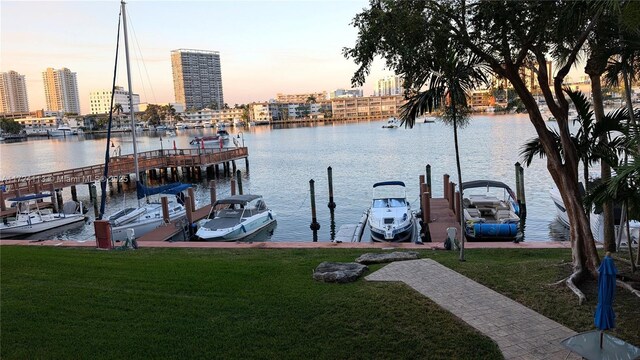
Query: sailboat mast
point(131, 112)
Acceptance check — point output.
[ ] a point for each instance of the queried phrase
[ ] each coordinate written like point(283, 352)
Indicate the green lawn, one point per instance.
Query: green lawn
point(258, 303)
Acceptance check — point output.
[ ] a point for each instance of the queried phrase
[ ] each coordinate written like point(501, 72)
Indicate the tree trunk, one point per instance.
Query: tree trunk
point(608, 225)
point(455, 141)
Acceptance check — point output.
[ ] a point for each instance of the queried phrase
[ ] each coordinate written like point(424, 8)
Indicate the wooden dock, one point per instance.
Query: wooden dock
point(121, 166)
point(168, 231)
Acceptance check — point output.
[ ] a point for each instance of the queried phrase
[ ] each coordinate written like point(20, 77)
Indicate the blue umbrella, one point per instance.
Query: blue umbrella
point(605, 318)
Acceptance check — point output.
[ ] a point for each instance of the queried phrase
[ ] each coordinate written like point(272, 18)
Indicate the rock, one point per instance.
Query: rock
point(371, 258)
point(338, 272)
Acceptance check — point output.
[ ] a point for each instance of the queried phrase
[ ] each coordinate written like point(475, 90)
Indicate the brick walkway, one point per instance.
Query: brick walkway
point(520, 332)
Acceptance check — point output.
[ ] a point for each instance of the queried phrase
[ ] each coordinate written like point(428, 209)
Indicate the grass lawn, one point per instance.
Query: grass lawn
point(259, 303)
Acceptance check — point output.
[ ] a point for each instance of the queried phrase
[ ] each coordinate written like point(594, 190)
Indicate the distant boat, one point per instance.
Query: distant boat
point(224, 134)
point(207, 140)
point(392, 123)
point(235, 218)
point(29, 220)
point(62, 130)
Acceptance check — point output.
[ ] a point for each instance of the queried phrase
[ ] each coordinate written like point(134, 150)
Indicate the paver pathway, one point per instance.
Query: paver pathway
point(520, 332)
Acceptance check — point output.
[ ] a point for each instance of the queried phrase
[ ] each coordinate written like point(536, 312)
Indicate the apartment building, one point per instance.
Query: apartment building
point(301, 98)
point(209, 116)
point(389, 86)
point(61, 90)
point(197, 78)
point(369, 107)
point(340, 93)
point(13, 93)
point(100, 100)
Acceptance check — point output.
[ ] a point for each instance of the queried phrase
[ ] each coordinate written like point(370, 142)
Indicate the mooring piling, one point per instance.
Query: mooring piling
point(165, 210)
point(212, 191)
point(520, 190)
point(428, 170)
point(315, 226)
point(446, 183)
point(233, 186)
point(332, 205)
point(239, 179)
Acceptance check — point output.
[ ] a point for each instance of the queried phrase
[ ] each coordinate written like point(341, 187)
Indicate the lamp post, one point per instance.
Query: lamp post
point(239, 134)
point(161, 146)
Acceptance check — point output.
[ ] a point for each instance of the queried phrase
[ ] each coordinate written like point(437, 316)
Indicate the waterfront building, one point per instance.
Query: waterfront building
point(34, 126)
point(100, 100)
point(340, 93)
point(389, 86)
point(13, 93)
point(197, 78)
point(61, 90)
point(301, 98)
point(213, 117)
point(371, 107)
point(481, 100)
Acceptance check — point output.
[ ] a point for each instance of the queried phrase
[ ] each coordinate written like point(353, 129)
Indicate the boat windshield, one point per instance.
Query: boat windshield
point(393, 202)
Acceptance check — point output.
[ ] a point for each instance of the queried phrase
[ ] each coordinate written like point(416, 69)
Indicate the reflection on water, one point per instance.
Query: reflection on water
point(283, 159)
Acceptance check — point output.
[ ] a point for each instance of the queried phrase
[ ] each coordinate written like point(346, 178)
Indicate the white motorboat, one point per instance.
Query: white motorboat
point(205, 140)
point(491, 211)
point(30, 219)
point(148, 217)
point(62, 130)
point(235, 218)
point(392, 123)
point(390, 217)
point(597, 221)
point(224, 134)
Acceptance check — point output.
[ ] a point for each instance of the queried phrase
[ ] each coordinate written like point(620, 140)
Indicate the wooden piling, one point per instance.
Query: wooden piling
point(331, 205)
point(451, 196)
point(212, 192)
point(428, 169)
point(54, 201)
point(3, 205)
point(192, 196)
point(74, 193)
point(446, 183)
point(233, 162)
point(246, 163)
point(102, 230)
point(239, 179)
point(520, 189)
point(59, 198)
point(315, 226)
point(165, 209)
point(189, 210)
point(233, 187)
point(425, 204)
point(94, 194)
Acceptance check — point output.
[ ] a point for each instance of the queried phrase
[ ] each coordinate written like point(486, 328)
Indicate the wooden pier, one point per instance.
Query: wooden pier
point(122, 166)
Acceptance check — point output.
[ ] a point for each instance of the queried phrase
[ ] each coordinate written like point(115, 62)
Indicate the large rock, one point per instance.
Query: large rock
point(338, 272)
point(377, 258)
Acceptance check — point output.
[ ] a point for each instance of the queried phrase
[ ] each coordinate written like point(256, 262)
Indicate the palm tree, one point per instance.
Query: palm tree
point(448, 82)
point(118, 109)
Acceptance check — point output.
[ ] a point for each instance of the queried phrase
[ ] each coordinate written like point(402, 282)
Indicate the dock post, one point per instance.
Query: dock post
point(212, 192)
point(424, 204)
point(36, 188)
point(239, 180)
point(3, 205)
point(452, 192)
point(189, 210)
point(192, 196)
point(520, 191)
point(246, 163)
point(315, 226)
point(94, 195)
point(332, 205)
point(59, 198)
point(428, 168)
point(445, 182)
point(165, 210)
point(102, 230)
point(233, 162)
point(233, 187)
point(54, 201)
point(74, 193)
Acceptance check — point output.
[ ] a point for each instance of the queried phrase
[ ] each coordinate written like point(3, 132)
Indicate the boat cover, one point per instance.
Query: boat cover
point(385, 183)
point(238, 199)
point(31, 197)
point(484, 183)
point(173, 188)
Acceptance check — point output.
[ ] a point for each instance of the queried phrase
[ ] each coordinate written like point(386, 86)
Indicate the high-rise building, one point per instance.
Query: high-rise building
point(389, 86)
point(13, 93)
point(340, 93)
point(100, 100)
point(197, 79)
point(61, 90)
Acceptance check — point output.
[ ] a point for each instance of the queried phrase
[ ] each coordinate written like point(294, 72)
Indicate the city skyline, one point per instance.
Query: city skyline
point(266, 47)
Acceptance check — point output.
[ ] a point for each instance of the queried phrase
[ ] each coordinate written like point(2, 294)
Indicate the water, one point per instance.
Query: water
point(283, 160)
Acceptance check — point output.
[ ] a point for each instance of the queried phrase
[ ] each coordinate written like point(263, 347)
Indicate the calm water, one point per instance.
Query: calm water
point(283, 160)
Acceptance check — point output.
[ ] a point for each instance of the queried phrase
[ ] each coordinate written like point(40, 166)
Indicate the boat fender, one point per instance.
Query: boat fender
point(243, 229)
point(270, 216)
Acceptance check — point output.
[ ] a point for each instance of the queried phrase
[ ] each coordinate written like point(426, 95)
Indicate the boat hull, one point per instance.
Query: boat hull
point(378, 235)
point(28, 229)
point(239, 231)
point(140, 228)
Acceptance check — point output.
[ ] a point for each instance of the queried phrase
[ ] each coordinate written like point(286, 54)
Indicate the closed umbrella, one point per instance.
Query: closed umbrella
point(605, 318)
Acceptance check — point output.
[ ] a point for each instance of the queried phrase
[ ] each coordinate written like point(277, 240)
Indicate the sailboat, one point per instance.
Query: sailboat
point(137, 221)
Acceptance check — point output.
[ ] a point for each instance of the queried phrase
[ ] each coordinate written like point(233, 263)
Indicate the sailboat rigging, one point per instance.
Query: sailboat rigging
point(149, 216)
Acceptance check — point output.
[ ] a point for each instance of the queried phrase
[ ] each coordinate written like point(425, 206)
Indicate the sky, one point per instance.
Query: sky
point(266, 47)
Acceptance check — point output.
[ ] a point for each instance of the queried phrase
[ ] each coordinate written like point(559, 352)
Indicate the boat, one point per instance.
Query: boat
point(143, 219)
point(491, 211)
point(390, 217)
point(596, 220)
point(31, 219)
point(392, 123)
point(137, 221)
point(235, 218)
point(182, 126)
point(207, 140)
point(62, 130)
point(223, 134)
